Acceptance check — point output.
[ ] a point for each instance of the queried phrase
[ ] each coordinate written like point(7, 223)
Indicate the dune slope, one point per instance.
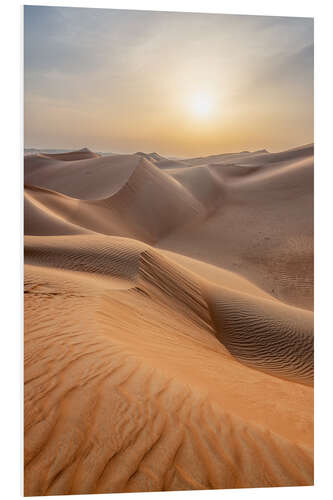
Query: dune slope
point(272, 211)
point(143, 202)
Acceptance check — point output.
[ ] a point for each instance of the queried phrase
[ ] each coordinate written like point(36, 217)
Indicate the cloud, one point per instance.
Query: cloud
point(135, 69)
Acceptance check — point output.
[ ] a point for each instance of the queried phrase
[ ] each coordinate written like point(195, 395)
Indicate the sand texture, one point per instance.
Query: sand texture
point(168, 321)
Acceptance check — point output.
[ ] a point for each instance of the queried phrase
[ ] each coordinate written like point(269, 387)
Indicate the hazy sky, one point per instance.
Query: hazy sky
point(176, 83)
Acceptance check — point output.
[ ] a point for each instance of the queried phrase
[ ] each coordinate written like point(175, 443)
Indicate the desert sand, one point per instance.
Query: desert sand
point(168, 321)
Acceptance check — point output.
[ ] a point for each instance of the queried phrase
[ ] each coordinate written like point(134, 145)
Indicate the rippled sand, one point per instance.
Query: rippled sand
point(168, 322)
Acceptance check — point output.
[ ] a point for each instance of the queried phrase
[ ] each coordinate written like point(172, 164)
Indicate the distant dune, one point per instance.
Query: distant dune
point(168, 321)
point(81, 154)
point(63, 154)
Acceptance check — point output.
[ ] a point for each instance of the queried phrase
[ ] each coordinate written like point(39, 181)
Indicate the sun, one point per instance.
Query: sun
point(201, 104)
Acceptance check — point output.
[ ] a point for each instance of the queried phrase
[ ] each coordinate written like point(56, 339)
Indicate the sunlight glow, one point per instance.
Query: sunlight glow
point(201, 104)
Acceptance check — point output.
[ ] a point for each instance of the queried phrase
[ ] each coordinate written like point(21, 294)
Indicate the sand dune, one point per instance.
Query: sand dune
point(168, 322)
point(97, 254)
point(259, 331)
point(260, 157)
point(86, 179)
point(151, 204)
point(222, 158)
point(264, 334)
point(202, 183)
point(160, 161)
point(81, 154)
point(289, 155)
point(39, 219)
point(273, 245)
point(137, 186)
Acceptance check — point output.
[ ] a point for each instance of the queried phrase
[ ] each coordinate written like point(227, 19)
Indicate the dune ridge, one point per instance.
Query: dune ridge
point(262, 333)
point(80, 154)
point(273, 244)
point(125, 211)
point(39, 220)
point(168, 321)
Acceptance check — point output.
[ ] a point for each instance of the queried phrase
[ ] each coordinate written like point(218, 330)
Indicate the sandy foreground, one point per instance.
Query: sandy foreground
point(168, 322)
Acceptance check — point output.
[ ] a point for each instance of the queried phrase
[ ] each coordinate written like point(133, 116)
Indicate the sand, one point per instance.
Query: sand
point(168, 322)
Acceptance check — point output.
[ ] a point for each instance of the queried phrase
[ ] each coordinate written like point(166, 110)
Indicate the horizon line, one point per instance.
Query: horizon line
point(41, 149)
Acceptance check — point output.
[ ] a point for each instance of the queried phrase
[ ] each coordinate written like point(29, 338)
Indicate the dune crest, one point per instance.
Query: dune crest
point(80, 154)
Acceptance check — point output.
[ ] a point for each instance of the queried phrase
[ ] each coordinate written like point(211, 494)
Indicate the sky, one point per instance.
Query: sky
point(180, 84)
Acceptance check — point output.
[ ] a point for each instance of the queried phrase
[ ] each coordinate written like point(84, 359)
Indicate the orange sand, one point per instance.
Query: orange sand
point(168, 322)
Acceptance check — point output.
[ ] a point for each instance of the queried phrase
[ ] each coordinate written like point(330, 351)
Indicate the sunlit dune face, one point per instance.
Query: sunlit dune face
point(201, 105)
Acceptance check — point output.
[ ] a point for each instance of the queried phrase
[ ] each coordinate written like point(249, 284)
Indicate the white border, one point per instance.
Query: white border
point(298, 8)
point(12, 228)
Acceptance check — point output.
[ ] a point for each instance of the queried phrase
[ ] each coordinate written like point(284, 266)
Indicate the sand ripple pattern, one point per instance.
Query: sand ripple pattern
point(107, 407)
point(98, 255)
point(264, 334)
